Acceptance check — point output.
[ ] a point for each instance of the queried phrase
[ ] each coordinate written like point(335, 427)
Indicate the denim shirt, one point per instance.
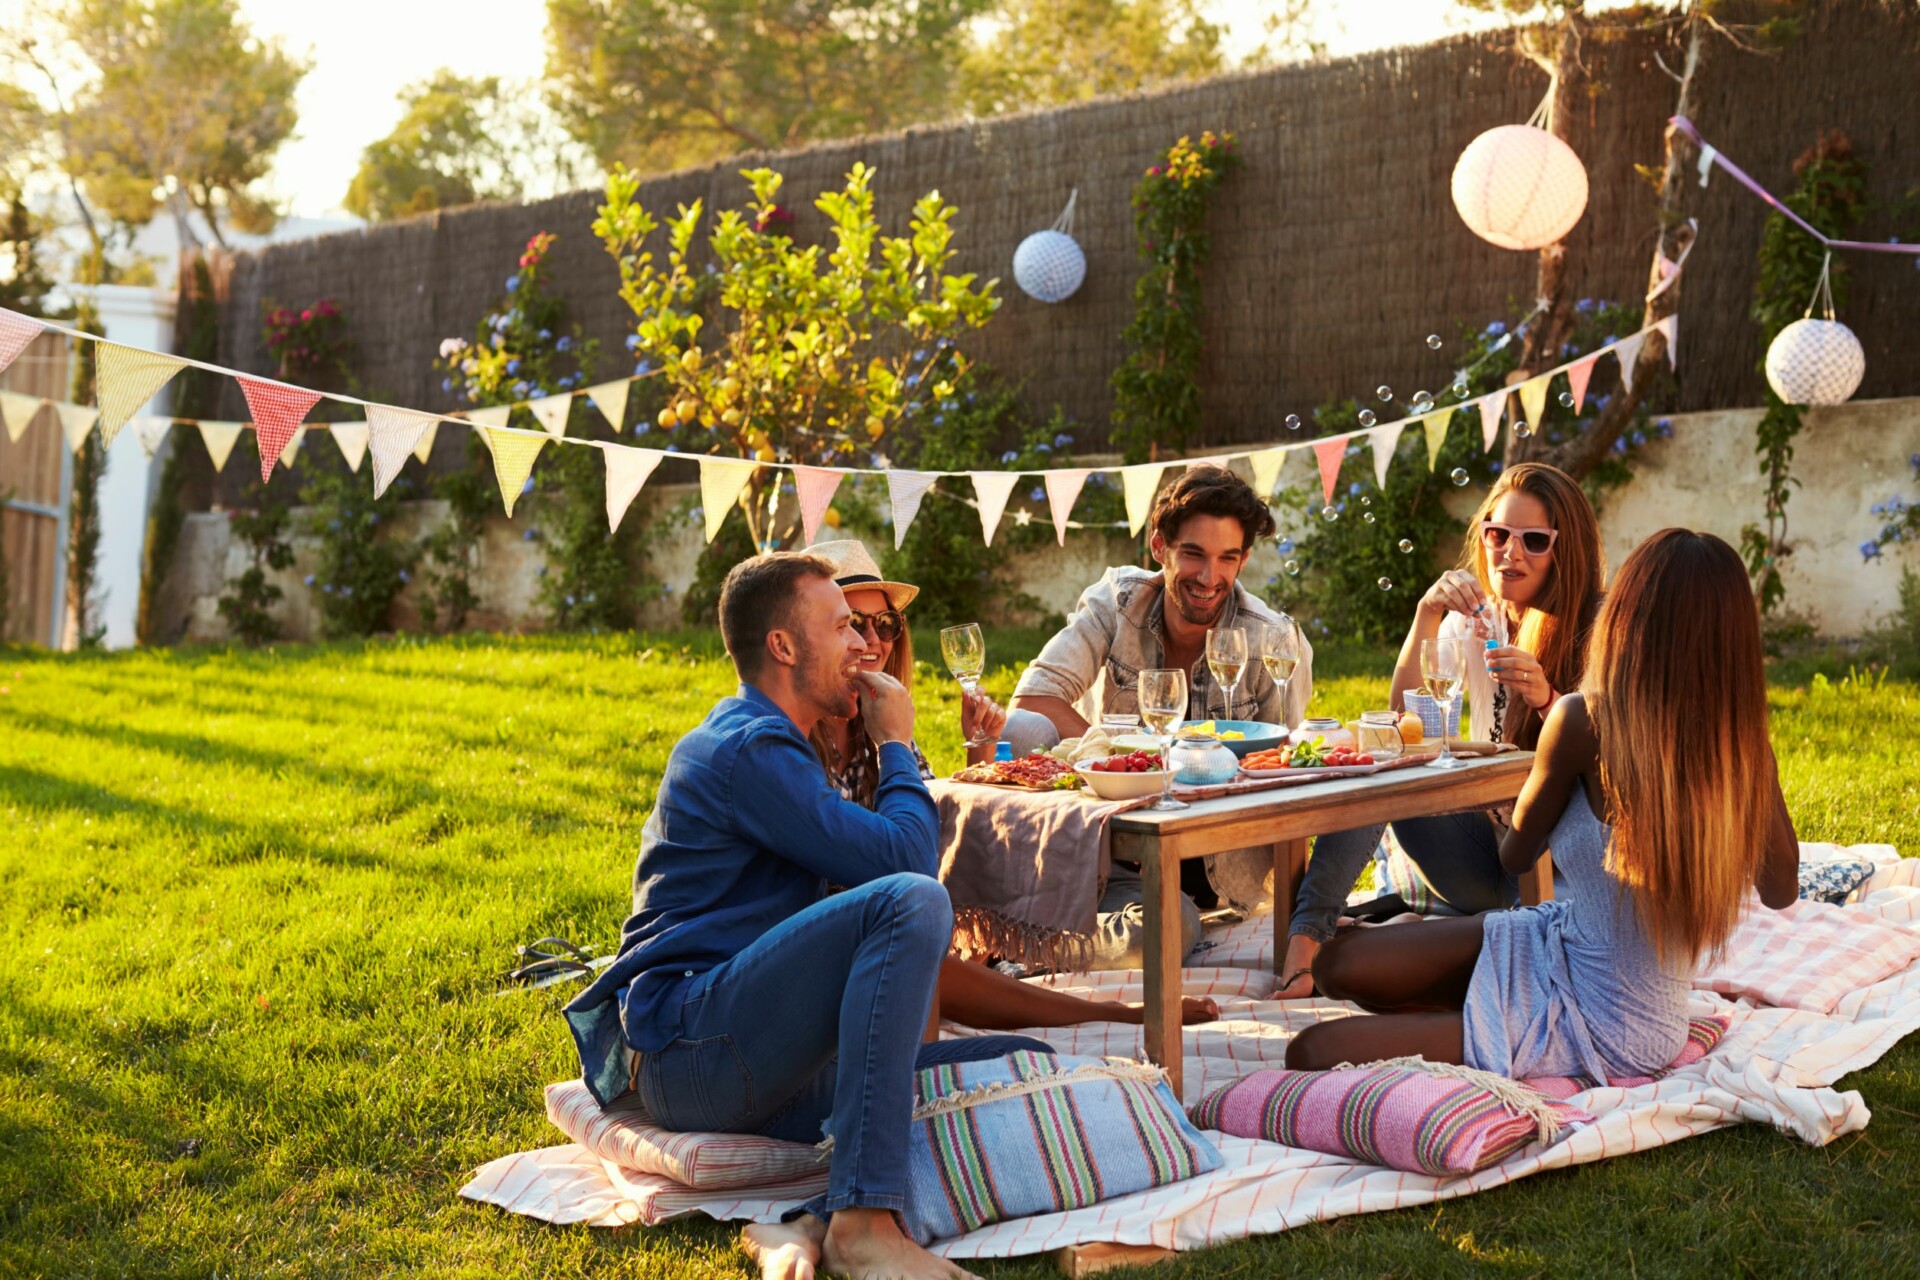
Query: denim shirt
point(745, 832)
point(1118, 630)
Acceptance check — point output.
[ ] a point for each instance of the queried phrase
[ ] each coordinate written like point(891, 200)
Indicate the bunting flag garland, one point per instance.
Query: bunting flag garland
point(424, 449)
point(219, 438)
point(1141, 481)
point(627, 471)
point(76, 420)
point(150, 432)
point(16, 333)
point(18, 410)
point(294, 441)
point(1533, 399)
point(552, 411)
point(611, 399)
point(352, 439)
point(513, 456)
point(1063, 490)
point(722, 481)
point(1490, 407)
point(1668, 327)
point(1266, 471)
point(496, 415)
point(905, 489)
point(1579, 373)
point(1436, 425)
point(1328, 454)
point(126, 378)
point(814, 487)
point(392, 435)
point(1385, 441)
point(278, 410)
point(992, 488)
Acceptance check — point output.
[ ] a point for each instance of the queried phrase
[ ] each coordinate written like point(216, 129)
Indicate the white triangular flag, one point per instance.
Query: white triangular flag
point(392, 434)
point(1267, 465)
point(1490, 407)
point(992, 489)
point(1627, 351)
point(1669, 328)
point(905, 489)
point(76, 420)
point(219, 438)
point(1139, 483)
point(1063, 490)
point(294, 441)
point(552, 411)
point(18, 409)
point(424, 449)
point(494, 415)
point(627, 470)
point(611, 399)
point(352, 439)
point(721, 482)
point(150, 432)
point(1384, 441)
point(815, 487)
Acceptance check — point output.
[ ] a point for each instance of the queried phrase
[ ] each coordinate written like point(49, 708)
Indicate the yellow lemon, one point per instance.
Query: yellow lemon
point(668, 420)
point(691, 360)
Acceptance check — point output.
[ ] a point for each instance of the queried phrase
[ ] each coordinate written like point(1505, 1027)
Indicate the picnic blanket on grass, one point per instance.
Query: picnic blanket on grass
point(1775, 1065)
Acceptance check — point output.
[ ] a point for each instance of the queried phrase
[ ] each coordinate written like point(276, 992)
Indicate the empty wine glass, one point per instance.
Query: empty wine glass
point(1280, 653)
point(1163, 704)
point(965, 649)
point(1227, 660)
point(1443, 665)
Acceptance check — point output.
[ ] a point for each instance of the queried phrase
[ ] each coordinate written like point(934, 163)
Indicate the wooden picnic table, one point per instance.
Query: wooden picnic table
point(1285, 819)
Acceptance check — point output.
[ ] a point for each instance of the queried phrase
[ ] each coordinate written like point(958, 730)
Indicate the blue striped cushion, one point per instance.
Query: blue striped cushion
point(1062, 1146)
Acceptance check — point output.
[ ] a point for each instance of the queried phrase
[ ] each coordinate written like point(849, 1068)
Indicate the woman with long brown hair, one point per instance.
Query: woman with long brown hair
point(1657, 789)
point(1531, 569)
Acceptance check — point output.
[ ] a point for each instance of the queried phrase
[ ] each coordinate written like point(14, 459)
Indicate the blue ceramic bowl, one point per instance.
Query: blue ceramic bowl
point(1259, 735)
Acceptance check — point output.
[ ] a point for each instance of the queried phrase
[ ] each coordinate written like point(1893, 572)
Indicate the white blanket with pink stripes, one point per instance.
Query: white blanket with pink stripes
point(1775, 1066)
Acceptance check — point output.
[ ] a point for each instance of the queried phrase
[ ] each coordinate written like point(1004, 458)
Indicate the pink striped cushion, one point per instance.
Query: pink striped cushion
point(1702, 1035)
point(625, 1135)
point(1397, 1116)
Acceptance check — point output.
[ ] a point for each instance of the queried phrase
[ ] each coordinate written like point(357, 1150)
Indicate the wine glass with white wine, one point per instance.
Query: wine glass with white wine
point(1227, 660)
point(1163, 704)
point(1280, 653)
point(1443, 665)
point(965, 649)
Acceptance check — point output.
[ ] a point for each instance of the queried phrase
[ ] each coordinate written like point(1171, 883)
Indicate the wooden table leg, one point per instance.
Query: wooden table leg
point(1289, 866)
point(1536, 883)
point(1160, 877)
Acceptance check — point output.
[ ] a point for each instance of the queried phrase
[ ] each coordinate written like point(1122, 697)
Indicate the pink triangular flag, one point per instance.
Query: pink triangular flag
point(1490, 407)
point(1385, 440)
point(278, 410)
point(1579, 373)
point(815, 487)
point(992, 489)
point(1063, 490)
point(16, 331)
point(905, 489)
point(627, 470)
point(1628, 351)
point(1328, 453)
point(392, 434)
point(1669, 327)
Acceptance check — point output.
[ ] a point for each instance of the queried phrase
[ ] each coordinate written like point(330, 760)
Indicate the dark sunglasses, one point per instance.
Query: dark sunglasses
point(1534, 542)
point(887, 624)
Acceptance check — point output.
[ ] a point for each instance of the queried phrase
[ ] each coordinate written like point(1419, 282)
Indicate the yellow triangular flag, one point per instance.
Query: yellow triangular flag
point(294, 441)
point(1533, 400)
point(352, 438)
point(611, 399)
point(76, 420)
point(1436, 427)
point(513, 455)
point(126, 378)
point(1266, 469)
point(424, 449)
point(722, 480)
point(220, 437)
point(18, 409)
point(552, 411)
point(1138, 484)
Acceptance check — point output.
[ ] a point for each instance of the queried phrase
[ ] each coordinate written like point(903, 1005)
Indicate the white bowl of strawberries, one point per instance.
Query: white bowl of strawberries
point(1131, 775)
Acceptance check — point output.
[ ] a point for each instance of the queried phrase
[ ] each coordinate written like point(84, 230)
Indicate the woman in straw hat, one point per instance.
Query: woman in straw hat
point(970, 993)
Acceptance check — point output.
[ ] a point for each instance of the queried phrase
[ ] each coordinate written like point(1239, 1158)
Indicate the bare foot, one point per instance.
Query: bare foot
point(785, 1250)
point(867, 1244)
point(1299, 962)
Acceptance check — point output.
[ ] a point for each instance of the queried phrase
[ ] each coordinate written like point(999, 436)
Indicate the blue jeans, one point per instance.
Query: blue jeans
point(815, 1029)
point(1458, 855)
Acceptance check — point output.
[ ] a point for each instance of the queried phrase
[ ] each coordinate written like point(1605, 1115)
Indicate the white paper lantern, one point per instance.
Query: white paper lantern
point(1049, 265)
point(1815, 362)
point(1519, 187)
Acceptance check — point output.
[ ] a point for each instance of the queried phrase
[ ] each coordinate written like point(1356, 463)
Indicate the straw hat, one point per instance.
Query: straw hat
point(854, 567)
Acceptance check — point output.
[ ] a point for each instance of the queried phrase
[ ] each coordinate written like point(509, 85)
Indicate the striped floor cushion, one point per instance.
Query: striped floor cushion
point(1702, 1035)
point(1404, 1114)
point(1033, 1133)
point(625, 1135)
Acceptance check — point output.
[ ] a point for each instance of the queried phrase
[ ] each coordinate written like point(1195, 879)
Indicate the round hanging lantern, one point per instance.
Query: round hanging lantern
point(1519, 187)
point(1049, 265)
point(1815, 362)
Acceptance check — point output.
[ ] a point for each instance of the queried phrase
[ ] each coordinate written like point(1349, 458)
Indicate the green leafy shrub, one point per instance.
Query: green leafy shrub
point(247, 602)
point(358, 573)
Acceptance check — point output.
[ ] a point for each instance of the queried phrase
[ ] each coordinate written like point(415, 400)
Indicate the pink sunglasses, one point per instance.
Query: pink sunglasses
point(1534, 542)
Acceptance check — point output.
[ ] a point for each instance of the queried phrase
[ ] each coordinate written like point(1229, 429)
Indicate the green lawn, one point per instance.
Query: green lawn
point(255, 905)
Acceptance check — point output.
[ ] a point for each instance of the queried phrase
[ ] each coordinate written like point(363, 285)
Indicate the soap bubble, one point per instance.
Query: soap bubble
point(1385, 393)
point(1433, 341)
point(1422, 401)
point(1566, 399)
point(1459, 476)
point(1367, 516)
point(1460, 387)
point(1365, 501)
point(1366, 418)
point(1406, 546)
point(1522, 430)
point(1292, 567)
point(1293, 422)
point(1329, 514)
point(1386, 584)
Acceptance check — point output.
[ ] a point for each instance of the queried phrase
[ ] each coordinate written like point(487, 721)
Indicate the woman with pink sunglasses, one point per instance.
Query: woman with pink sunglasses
point(1530, 578)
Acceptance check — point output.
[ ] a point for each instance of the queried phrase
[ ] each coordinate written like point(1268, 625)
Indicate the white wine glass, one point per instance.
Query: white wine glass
point(965, 649)
point(1227, 660)
point(1443, 665)
point(1163, 704)
point(1280, 653)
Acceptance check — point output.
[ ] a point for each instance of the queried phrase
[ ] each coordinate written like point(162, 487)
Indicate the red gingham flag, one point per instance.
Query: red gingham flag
point(16, 331)
point(278, 410)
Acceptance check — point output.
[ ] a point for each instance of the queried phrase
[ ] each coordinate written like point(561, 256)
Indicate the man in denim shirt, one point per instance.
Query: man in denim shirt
point(747, 1000)
point(1204, 526)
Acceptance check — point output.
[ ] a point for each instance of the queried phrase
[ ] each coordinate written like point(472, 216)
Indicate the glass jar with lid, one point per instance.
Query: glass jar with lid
point(1378, 734)
point(1327, 728)
point(1202, 760)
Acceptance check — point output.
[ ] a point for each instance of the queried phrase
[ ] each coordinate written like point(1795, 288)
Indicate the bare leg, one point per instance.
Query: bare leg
point(1437, 1037)
point(785, 1250)
point(1414, 975)
point(988, 999)
point(1301, 951)
point(867, 1244)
